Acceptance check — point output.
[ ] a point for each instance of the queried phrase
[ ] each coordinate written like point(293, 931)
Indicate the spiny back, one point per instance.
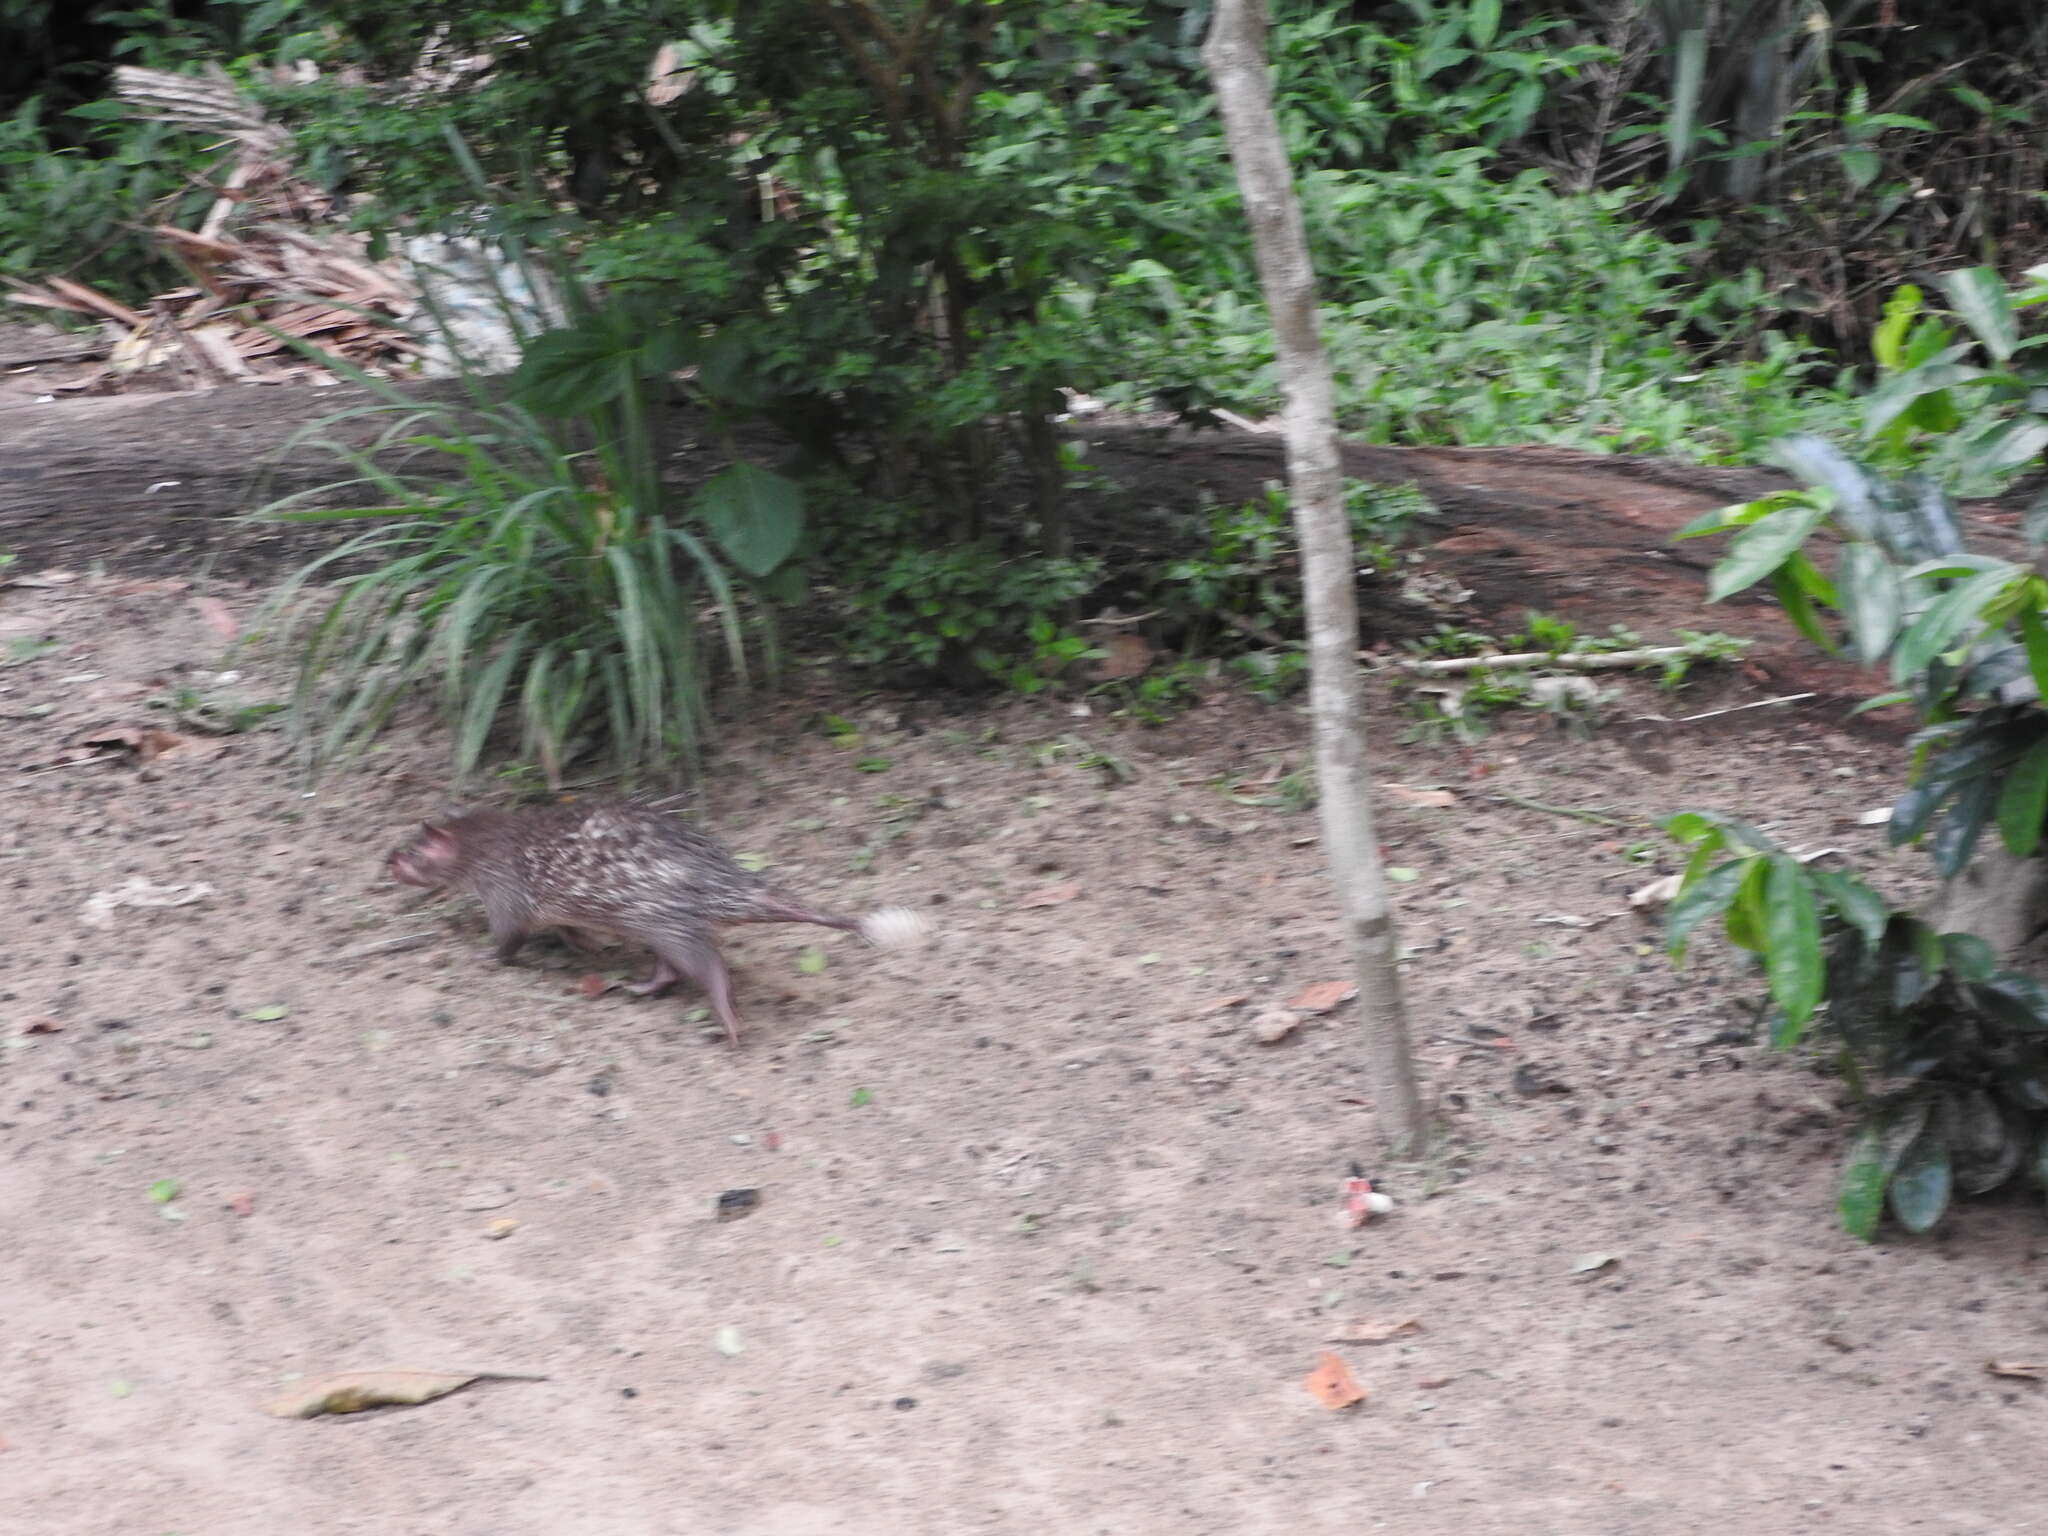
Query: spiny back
point(607, 863)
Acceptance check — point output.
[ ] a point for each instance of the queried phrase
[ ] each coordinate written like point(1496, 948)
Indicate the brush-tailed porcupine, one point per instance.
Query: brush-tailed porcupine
point(613, 870)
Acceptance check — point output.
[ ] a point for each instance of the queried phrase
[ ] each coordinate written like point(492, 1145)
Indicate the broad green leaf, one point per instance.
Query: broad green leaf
point(1887, 342)
point(1745, 923)
point(1902, 392)
point(2013, 443)
point(1482, 22)
point(1922, 1183)
point(756, 515)
point(1792, 597)
point(1854, 902)
point(1873, 1155)
point(2023, 802)
point(1792, 957)
point(1759, 550)
point(1979, 295)
point(1701, 900)
point(1968, 814)
point(2035, 634)
point(1871, 599)
point(2020, 1001)
point(1820, 463)
point(1947, 618)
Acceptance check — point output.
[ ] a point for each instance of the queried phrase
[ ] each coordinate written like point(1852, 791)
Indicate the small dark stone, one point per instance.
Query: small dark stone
point(735, 1203)
point(629, 1391)
point(905, 1404)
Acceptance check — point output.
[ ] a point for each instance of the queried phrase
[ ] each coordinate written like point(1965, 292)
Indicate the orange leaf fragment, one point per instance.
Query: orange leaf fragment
point(1323, 996)
point(593, 985)
point(1052, 895)
point(1332, 1384)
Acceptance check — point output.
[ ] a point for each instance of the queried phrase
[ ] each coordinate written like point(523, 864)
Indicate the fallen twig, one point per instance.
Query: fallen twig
point(1598, 818)
point(1578, 661)
point(1732, 709)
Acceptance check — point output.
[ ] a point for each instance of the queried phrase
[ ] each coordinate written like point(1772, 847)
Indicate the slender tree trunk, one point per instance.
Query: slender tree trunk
point(1236, 57)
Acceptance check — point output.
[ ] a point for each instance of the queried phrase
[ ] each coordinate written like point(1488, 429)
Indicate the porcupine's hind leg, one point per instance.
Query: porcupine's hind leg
point(694, 956)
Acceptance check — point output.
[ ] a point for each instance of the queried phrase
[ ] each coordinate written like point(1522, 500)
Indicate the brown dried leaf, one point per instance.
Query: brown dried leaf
point(217, 617)
point(1122, 656)
point(593, 985)
point(41, 1024)
point(149, 744)
point(1323, 996)
point(1222, 1003)
point(1363, 1332)
point(1052, 895)
point(358, 1391)
point(1332, 1384)
point(2016, 1370)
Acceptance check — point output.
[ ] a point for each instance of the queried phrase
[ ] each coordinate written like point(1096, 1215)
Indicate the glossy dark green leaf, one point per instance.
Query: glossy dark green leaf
point(1979, 295)
point(1924, 524)
point(1792, 953)
point(756, 515)
point(1879, 1144)
point(2018, 1001)
point(2012, 443)
point(1871, 599)
point(1921, 1185)
point(2023, 801)
point(1759, 550)
point(1968, 814)
point(1968, 956)
point(1947, 619)
point(1820, 463)
point(2034, 635)
point(1792, 597)
point(1854, 902)
point(1986, 1144)
point(1704, 898)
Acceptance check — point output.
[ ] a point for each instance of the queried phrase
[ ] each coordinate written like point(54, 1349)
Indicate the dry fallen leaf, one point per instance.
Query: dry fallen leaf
point(1657, 892)
point(593, 985)
point(358, 1391)
point(1122, 656)
point(1052, 895)
point(1222, 1003)
point(2016, 1370)
point(41, 1024)
point(217, 617)
point(242, 1204)
point(1274, 1025)
point(1323, 996)
point(1332, 1384)
point(1403, 795)
point(144, 744)
point(1431, 1383)
point(1375, 1333)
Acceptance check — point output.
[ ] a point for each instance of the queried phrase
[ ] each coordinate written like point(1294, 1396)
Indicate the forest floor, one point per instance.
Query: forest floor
point(1046, 1240)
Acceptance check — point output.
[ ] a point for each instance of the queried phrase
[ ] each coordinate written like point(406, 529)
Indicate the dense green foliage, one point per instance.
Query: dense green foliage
point(1948, 1051)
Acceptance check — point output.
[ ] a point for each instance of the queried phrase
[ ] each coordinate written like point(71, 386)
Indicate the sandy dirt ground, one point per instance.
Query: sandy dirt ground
point(1046, 1242)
